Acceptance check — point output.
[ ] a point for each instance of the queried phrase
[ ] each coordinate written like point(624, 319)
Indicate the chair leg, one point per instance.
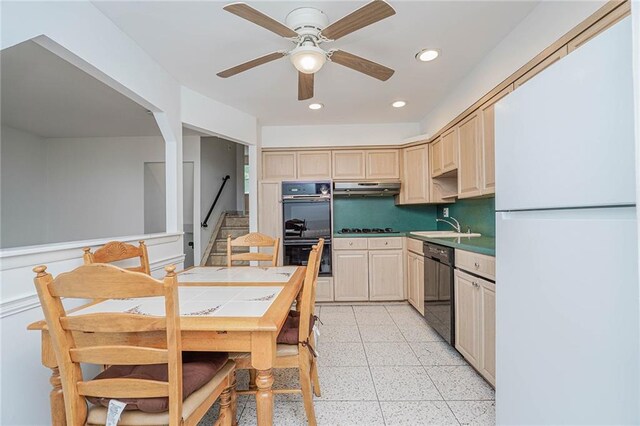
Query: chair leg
point(226, 412)
point(305, 384)
point(234, 400)
point(314, 377)
point(252, 379)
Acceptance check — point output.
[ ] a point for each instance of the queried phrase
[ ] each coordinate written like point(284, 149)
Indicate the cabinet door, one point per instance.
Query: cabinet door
point(324, 289)
point(383, 164)
point(449, 150)
point(415, 175)
point(489, 141)
point(270, 211)
point(314, 165)
point(488, 330)
point(386, 275)
point(466, 314)
point(435, 156)
point(469, 184)
point(348, 165)
point(278, 166)
point(351, 275)
point(412, 279)
point(420, 283)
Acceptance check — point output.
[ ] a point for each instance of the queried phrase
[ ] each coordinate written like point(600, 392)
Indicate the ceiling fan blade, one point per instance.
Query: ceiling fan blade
point(362, 65)
point(245, 11)
point(305, 86)
point(368, 14)
point(251, 64)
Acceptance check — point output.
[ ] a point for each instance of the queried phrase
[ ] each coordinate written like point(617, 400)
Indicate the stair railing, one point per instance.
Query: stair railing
point(206, 219)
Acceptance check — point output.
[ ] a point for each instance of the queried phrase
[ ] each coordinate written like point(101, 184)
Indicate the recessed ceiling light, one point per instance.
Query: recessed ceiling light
point(315, 106)
point(426, 55)
point(398, 104)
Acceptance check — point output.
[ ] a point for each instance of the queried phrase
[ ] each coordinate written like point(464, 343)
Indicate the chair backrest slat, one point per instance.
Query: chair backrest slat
point(123, 388)
point(112, 323)
point(253, 239)
point(95, 331)
point(107, 282)
point(115, 251)
point(119, 355)
point(308, 299)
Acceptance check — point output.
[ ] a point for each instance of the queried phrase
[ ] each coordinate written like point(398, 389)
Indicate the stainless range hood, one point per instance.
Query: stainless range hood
point(366, 189)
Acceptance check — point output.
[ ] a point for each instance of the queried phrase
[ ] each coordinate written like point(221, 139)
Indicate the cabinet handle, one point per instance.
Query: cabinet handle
point(477, 265)
point(350, 244)
point(386, 243)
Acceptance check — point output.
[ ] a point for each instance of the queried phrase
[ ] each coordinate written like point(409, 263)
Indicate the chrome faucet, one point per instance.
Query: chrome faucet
point(455, 225)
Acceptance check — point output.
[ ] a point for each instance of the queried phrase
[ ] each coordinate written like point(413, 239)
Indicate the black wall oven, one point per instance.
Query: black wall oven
point(306, 217)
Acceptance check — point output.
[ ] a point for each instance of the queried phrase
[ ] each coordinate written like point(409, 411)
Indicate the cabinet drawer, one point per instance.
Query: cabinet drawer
point(479, 264)
point(383, 243)
point(350, 244)
point(415, 246)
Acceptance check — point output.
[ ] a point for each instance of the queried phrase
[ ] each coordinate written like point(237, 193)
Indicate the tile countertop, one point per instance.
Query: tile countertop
point(482, 245)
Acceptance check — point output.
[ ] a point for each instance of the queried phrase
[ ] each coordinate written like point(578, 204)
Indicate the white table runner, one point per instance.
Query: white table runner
point(279, 274)
point(198, 301)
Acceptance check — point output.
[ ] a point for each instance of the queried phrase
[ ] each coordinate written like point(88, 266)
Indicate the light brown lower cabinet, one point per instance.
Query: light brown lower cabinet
point(385, 275)
point(324, 289)
point(415, 281)
point(351, 275)
point(368, 269)
point(475, 322)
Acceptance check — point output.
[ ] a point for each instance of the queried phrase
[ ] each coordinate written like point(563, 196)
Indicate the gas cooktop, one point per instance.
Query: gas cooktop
point(367, 231)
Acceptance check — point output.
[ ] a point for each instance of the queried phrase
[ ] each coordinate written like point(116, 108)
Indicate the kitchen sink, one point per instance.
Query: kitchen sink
point(443, 234)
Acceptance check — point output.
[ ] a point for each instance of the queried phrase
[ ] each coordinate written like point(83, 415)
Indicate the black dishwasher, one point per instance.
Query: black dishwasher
point(438, 290)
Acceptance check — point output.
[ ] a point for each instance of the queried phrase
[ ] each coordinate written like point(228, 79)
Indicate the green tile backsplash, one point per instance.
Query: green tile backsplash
point(478, 214)
point(382, 212)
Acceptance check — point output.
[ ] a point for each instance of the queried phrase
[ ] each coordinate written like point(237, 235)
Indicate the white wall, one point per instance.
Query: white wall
point(337, 135)
point(217, 159)
point(95, 186)
point(23, 177)
point(544, 25)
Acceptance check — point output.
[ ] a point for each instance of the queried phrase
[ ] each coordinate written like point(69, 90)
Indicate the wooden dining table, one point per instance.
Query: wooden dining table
point(240, 309)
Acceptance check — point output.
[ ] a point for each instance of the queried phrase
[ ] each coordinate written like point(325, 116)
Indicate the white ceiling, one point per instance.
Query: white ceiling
point(47, 96)
point(195, 40)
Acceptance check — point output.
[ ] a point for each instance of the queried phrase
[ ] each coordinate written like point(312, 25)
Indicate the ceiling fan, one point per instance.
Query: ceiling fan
point(308, 28)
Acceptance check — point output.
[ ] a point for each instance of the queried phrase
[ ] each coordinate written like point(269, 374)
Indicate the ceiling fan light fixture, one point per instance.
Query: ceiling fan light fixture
point(308, 59)
point(426, 55)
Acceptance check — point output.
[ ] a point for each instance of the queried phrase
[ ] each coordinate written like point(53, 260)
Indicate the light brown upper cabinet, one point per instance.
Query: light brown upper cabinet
point(277, 166)
point(551, 59)
point(383, 164)
point(487, 112)
point(449, 151)
point(435, 157)
point(348, 165)
point(314, 165)
point(415, 175)
point(366, 164)
point(469, 178)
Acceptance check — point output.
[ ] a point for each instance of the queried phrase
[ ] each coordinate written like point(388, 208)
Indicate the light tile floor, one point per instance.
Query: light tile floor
point(380, 365)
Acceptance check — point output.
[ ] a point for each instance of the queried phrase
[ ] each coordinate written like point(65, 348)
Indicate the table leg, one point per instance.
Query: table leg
point(264, 397)
point(56, 399)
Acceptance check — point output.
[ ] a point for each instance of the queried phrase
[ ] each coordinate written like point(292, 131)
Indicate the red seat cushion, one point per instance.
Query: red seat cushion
point(198, 368)
point(289, 332)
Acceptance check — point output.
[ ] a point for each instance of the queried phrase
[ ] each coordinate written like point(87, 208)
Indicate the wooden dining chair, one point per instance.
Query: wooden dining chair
point(115, 251)
point(297, 330)
point(135, 347)
point(253, 239)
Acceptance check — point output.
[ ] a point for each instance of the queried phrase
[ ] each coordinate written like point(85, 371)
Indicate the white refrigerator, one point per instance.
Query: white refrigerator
point(567, 315)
